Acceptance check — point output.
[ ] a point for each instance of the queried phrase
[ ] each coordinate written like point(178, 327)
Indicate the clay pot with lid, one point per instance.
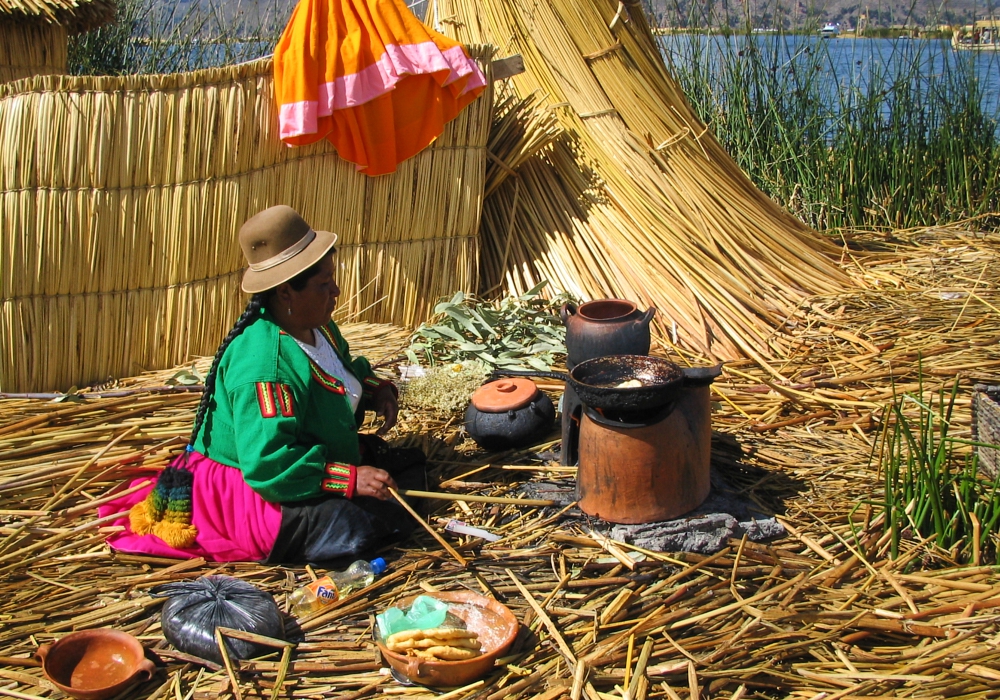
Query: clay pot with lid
point(95, 664)
point(508, 413)
point(605, 327)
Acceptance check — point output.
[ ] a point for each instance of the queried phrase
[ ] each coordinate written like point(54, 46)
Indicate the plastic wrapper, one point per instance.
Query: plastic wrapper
point(424, 613)
point(195, 608)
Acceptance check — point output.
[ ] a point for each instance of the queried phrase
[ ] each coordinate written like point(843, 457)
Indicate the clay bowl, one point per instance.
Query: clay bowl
point(492, 621)
point(95, 664)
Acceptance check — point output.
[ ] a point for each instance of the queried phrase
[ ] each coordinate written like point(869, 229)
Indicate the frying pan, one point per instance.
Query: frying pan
point(597, 381)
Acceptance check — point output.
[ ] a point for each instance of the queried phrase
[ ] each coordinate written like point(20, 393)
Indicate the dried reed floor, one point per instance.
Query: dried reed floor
point(809, 616)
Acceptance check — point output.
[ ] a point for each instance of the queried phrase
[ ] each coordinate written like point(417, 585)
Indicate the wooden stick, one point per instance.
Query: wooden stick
point(229, 664)
point(254, 638)
point(70, 512)
point(738, 604)
point(189, 658)
point(458, 557)
point(286, 658)
point(476, 499)
point(640, 668)
point(57, 498)
point(459, 692)
point(579, 677)
point(566, 650)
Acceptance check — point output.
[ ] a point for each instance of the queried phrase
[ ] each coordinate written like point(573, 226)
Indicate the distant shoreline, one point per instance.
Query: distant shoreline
point(874, 33)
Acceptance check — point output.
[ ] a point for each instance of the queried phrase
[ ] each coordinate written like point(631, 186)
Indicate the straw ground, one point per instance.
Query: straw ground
point(811, 615)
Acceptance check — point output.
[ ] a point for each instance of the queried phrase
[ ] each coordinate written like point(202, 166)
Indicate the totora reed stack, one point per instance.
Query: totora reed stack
point(636, 199)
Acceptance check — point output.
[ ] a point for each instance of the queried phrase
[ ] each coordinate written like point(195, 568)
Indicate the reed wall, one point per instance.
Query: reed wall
point(121, 199)
point(31, 48)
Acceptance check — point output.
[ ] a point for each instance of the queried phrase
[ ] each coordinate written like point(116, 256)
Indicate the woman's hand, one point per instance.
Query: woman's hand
point(386, 407)
point(374, 483)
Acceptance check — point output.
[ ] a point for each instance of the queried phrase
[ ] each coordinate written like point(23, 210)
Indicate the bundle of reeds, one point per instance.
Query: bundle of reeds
point(639, 200)
point(122, 197)
point(28, 49)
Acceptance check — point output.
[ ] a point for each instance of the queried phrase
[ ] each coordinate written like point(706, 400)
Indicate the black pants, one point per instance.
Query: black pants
point(328, 528)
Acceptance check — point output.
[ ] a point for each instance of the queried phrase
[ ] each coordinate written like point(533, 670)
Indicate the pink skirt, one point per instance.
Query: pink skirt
point(234, 523)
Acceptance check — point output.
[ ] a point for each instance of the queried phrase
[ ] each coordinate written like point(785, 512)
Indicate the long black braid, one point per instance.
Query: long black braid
point(250, 314)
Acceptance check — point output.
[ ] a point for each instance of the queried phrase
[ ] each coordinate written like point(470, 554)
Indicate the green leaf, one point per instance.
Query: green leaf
point(445, 330)
point(490, 317)
point(70, 395)
point(533, 292)
point(465, 321)
point(184, 378)
point(539, 364)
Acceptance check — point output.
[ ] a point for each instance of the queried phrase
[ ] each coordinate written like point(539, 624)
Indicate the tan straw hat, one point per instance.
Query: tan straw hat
point(278, 244)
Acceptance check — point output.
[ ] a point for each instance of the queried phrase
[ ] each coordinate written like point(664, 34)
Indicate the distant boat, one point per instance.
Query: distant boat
point(829, 30)
point(983, 35)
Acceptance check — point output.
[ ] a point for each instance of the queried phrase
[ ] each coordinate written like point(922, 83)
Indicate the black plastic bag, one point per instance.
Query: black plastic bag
point(196, 608)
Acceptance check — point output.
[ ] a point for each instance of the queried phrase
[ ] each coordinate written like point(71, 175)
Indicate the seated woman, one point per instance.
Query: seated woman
point(276, 469)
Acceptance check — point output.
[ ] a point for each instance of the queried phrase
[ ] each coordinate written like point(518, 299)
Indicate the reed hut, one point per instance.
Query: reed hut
point(34, 34)
point(121, 198)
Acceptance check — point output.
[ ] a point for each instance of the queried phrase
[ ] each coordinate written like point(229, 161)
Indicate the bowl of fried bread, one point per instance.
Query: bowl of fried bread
point(477, 631)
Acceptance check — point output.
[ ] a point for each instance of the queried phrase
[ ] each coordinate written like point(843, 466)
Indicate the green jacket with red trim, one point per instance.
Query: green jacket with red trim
point(280, 419)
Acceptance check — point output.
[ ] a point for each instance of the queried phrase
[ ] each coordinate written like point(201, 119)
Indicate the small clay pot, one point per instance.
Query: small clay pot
point(509, 413)
point(491, 620)
point(95, 664)
point(605, 327)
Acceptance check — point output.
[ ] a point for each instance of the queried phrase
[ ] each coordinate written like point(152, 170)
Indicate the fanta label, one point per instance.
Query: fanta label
point(325, 590)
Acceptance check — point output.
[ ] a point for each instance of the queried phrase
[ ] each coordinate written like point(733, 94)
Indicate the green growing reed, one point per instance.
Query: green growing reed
point(850, 133)
point(149, 36)
point(932, 490)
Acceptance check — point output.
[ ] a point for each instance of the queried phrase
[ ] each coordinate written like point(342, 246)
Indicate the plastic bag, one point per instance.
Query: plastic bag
point(196, 608)
point(424, 613)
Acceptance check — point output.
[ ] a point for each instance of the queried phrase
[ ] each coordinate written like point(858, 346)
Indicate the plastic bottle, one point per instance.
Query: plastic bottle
point(326, 590)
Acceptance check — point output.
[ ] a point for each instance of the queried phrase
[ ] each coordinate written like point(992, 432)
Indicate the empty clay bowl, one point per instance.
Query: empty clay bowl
point(492, 621)
point(95, 664)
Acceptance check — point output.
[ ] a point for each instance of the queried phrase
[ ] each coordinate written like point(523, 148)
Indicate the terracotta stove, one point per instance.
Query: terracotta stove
point(634, 467)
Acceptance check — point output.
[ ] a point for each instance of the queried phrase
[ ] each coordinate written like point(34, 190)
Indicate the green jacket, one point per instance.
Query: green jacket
point(281, 420)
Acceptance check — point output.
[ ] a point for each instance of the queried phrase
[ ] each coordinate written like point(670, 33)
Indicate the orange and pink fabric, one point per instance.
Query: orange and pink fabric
point(371, 78)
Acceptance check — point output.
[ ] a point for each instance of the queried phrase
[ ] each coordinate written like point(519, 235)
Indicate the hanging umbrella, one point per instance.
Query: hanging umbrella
point(371, 78)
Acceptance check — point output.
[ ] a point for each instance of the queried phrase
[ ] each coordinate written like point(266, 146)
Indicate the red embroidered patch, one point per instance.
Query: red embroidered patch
point(327, 381)
point(285, 400)
point(265, 399)
point(329, 337)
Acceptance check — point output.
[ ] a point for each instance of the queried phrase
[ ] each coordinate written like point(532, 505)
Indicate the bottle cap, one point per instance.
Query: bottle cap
point(378, 565)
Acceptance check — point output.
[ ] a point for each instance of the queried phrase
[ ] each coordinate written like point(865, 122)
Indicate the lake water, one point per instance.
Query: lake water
point(845, 64)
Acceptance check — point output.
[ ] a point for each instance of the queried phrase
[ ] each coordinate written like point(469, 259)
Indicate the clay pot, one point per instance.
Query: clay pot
point(492, 621)
point(509, 413)
point(605, 327)
point(95, 664)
